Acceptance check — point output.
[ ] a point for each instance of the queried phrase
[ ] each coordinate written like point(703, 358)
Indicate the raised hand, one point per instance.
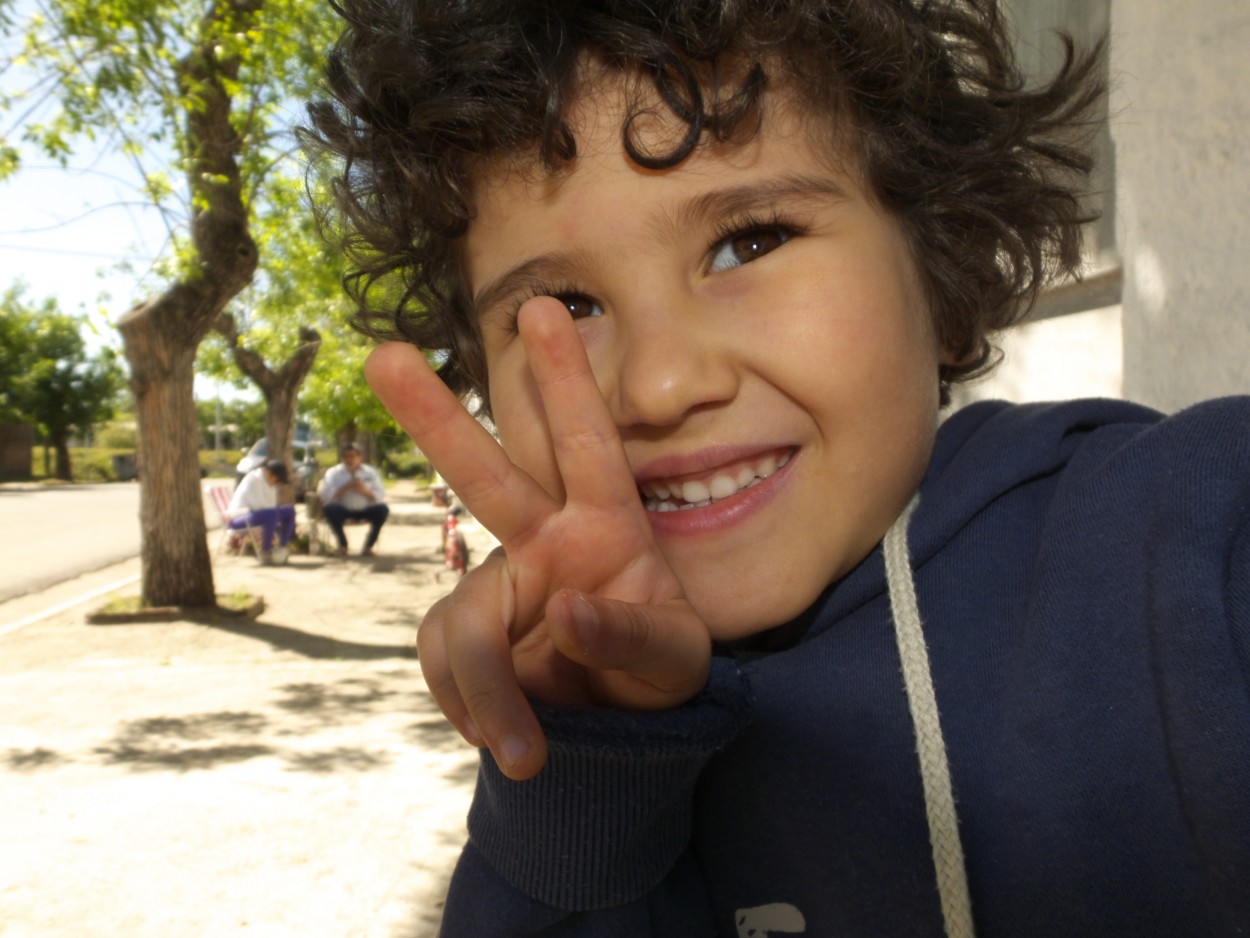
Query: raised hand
point(579, 606)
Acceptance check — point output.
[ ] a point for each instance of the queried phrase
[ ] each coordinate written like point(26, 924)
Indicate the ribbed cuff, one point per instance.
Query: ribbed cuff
point(609, 814)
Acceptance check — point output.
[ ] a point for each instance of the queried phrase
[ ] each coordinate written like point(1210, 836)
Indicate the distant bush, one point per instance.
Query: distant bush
point(211, 466)
point(117, 436)
point(406, 466)
point(93, 464)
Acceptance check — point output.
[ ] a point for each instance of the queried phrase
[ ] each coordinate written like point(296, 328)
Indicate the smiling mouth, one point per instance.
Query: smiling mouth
point(684, 494)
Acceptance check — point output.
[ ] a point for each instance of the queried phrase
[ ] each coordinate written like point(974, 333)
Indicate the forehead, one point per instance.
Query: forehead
point(515, 191)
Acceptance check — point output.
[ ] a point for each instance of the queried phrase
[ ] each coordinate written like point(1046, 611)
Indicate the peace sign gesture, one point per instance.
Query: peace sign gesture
point(579, 607)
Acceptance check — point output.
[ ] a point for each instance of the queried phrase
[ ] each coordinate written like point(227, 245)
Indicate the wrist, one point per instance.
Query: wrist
point(627, 776)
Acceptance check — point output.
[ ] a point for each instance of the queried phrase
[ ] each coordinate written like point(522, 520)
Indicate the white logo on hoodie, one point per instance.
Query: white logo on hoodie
point(765, 920)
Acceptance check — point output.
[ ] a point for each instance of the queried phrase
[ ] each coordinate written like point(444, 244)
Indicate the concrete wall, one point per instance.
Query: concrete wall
point(1181, 126)
point(1177, 161)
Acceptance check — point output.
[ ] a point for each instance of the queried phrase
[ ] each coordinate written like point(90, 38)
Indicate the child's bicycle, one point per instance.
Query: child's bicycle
point(455, 549)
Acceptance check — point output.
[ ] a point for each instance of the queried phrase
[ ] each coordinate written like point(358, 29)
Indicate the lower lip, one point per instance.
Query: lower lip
point(722, 514)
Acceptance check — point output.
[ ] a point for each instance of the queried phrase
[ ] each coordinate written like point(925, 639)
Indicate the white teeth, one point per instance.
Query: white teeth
point(695, 492)
point(671, 495)
point(722, 487)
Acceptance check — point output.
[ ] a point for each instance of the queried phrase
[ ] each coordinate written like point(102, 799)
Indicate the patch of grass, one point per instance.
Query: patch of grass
point(238, 601)
point(122, 605)
point(124, 609)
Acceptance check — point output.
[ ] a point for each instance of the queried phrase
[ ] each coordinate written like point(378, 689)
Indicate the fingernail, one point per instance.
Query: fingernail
point(513, 750)
point(585, 620)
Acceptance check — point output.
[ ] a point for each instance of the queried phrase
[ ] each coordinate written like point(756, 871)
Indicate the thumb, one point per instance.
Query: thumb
point(642, 657)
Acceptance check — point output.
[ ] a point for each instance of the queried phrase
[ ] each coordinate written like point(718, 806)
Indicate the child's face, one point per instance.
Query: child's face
point(749, 314)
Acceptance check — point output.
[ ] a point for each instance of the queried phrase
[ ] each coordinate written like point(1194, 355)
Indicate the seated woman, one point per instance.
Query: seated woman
point(255, 505)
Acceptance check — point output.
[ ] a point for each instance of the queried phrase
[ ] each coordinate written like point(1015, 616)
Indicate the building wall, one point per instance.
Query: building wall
point(1177, 163)
point(1180, 121)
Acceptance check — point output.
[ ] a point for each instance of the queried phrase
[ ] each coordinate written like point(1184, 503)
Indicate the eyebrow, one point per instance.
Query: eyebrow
point(736, 200)
point(717, 203)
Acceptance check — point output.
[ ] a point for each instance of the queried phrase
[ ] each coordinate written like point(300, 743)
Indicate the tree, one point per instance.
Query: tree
point(288, 288)
point(279, 386)
point(54, 381)
point(337, 397)
point(204, 86)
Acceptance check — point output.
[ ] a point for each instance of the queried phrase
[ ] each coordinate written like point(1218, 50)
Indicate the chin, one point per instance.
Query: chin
point(729, 618)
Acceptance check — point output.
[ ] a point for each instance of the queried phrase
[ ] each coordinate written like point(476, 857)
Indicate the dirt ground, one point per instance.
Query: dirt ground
point(288, 776)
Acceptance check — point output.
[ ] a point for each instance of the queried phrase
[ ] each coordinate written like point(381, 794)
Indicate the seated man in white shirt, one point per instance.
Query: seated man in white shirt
point(353, 490)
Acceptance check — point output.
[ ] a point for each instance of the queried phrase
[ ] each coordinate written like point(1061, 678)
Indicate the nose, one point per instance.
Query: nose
point(668, 364)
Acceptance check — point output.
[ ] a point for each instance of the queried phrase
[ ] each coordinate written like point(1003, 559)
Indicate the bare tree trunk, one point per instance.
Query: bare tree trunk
point(161, 336)
point(60, 445)
point(177, 569)
point(280, 388)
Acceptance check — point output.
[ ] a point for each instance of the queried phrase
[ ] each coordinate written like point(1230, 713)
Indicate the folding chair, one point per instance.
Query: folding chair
point(232, 538)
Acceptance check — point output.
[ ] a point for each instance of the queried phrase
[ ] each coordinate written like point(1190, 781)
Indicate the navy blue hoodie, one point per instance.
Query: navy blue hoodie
point(1083, 577)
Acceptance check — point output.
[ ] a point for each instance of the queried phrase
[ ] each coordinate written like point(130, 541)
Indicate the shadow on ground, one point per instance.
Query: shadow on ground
point(310, 644)
point(300, 711)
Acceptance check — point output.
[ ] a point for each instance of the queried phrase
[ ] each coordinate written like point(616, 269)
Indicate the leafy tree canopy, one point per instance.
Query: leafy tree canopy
point(50, 378)
point(123, 75)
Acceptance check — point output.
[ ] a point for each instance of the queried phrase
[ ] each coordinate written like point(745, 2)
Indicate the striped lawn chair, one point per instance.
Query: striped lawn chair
point(233, 540)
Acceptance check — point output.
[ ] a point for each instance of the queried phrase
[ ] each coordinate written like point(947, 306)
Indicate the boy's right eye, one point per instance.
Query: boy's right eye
point(579, 305)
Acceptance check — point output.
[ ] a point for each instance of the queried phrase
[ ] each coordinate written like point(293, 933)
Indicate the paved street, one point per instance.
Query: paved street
point(53, 533)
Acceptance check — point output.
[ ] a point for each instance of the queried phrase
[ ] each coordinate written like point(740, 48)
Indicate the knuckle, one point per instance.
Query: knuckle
point(443, 688)
point(583, 439)
point(639, 627)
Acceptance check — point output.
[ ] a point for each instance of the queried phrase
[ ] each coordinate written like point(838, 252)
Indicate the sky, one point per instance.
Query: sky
point(65, 232)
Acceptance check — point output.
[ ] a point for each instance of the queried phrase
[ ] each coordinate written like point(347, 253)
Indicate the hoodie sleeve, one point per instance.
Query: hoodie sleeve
point(1199, 607)
point(598, 842)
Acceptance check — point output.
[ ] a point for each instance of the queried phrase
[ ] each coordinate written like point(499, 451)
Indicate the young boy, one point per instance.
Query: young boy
point(764, 652)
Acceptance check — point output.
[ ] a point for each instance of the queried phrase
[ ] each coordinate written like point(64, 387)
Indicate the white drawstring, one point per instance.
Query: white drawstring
point(948, 853)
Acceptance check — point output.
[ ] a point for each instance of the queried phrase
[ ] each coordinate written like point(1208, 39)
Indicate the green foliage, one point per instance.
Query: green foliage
point(300, 281)
point(50, 379)
point(89, 464)
point(336, 395)
point(118, 435)
point(243, 422)
point(406, 465)
point(130, 69)
point(214, 468)
point(133, 76)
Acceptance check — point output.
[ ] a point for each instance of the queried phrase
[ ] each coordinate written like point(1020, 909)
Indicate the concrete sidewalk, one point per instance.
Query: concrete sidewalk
point(288, 776)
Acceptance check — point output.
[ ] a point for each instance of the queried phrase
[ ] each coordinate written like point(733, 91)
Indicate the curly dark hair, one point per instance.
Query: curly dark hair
point(984, 173)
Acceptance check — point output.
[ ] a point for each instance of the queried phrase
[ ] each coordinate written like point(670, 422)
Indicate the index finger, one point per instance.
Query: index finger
point(501, 496)
point(587, 443)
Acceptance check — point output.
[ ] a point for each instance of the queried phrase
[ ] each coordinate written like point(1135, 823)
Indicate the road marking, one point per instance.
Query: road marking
point(68, 604)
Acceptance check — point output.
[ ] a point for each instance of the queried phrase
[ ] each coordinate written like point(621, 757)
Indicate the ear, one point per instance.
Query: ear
point(953, 356)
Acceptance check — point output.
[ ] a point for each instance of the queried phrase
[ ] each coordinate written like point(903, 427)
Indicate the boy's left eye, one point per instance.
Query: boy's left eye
point(747, 246)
